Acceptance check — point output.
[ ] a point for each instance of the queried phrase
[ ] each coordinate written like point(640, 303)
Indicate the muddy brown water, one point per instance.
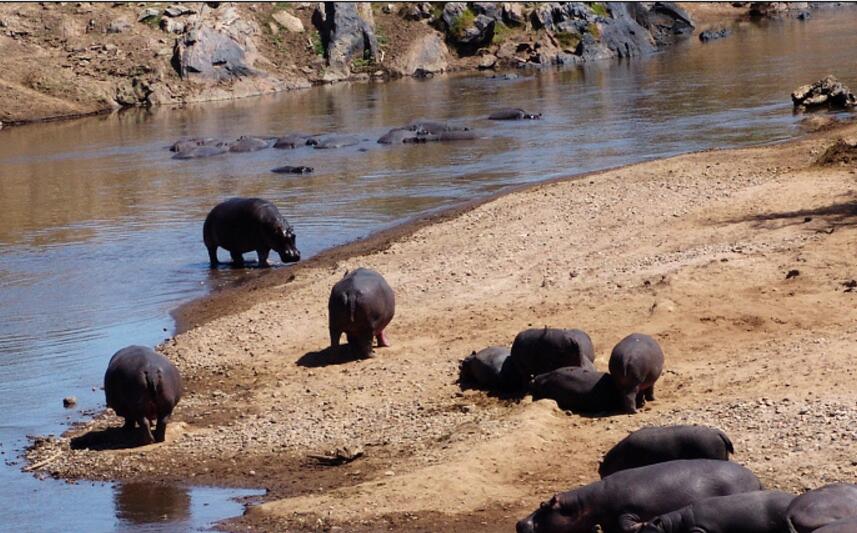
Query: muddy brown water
point(100, 230)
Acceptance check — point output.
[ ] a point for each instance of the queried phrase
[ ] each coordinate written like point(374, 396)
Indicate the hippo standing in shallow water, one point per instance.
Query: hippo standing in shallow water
point(636, 364)
point(487, 369)
point(762, 511)
point(361, 305)
point(652, 445)
point(241, 225)
point(536, 351)
point(514, 114)
point(820, 507)
point(623, 502)
point(581, 390)
point(141, 386)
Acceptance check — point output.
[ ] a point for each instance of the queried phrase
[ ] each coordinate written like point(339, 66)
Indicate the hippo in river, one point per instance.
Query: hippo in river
point(335, 141)
point(241, 225)
point(454, 135)
point(820, 507)
point(185, 145)
point(288, 169)
point(536, 351)
point(361, 305)
point(293, 140)
point(434, 128)
point(487, 369)
point(513, 114)
point(652, 445)
point(636, 364)
point(762, 511)
point(846, 525)
point(141, 386)
point(398, 136)
point(247, 143)
point(205, 150)
point(581, 390)
point(623, 502)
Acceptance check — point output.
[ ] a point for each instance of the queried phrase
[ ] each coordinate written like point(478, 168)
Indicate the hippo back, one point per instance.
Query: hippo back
point(537, 351)
point(751, 512)
point(577, 389)
point(370, 295)
point(141, 382)
point(823, 506)
point(486, 369)
point(636, 360)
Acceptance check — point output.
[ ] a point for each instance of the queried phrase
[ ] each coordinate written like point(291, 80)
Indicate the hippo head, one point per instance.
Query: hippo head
point(557, 515)
point(533, 116)
point(282, 239)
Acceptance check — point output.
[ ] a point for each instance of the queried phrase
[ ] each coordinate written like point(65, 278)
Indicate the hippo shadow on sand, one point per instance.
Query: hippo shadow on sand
point(338, 355)
point(843, 213)
point(113, 438)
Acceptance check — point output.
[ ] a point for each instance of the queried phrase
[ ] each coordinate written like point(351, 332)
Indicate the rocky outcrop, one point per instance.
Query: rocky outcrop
point(469, 28)
point(827, 93)
point(426, 55)
point(665, 21)
point(347, 33)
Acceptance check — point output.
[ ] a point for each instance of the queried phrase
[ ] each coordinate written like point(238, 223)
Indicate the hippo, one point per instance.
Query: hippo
point(361, 305)
point(487, 369)
point(431, 127)
point(513, 114)
point(536, 351)
point(397, 136)
point(762, 511)
point(249, 144)
point(141, 386)
point(636, 364)
point(581, 390)
point(185, 145)
point(335, 141)
point(820, 507)
point(846, 525)
point(293, 140)
point(241, 225)
point(652, 445)
point(205, 150)
point(288, 169)
point(623, 502)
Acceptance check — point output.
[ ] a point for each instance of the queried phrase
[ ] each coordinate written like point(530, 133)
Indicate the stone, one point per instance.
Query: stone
point(512, 14)
point(827, 92)
point(347, 32)
point(288, 21)
point(713, 35)
point(416, 11)
point(172, 26)
point(148, 13)
point(118, 26)
point(178, 11)
point(69, 401)
point(666, 21)
point(204, 53)
point(427, 54)
point(487, 61)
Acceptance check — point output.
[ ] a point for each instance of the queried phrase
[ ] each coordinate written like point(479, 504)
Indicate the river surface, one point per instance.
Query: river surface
point(101, 231)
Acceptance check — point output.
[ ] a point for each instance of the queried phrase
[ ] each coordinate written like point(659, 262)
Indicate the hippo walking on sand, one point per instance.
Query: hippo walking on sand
point(141, 386)
point(514, 114)
point(623, 502)
point(241, 225)
point(536, 351)
point(361, 305)
point(820, 507)
point(636, 364)
point(652, 445)
point(762, 511)
point(581, 390)
point(487, 369)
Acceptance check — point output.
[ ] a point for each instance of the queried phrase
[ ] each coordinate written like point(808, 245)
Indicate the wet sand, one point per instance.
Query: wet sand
point(694, 250)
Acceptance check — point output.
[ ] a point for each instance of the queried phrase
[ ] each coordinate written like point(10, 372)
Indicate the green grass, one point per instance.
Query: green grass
point(317, 45)
point(462, 22)
point(568, 40)
point(599, 9)
point(501, 33)
point(380, 37)
point(360, 64)
point(594, 30)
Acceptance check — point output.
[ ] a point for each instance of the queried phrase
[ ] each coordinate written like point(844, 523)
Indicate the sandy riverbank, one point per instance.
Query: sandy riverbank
point(693, 250)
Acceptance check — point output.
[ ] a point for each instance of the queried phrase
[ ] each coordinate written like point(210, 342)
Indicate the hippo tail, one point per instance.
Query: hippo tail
point(152, 383)
point(351, 302)
point(727, 443)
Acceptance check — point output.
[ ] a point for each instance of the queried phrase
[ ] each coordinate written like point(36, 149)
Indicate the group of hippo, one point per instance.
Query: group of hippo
point(417, 131)
point(559, 364)
point(679, 479)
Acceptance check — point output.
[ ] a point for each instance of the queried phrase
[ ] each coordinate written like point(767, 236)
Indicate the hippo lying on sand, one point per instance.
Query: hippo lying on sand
point(652, 445)
point(536, 351)
point(361, 305)
point(636, 364)
point(513, 114)
point(487, 369)
point(623, 502)
point(142, 386)
point(241, 225)
point(751, 512)
point(249, 144)
point(820, 507)
point(582, 390)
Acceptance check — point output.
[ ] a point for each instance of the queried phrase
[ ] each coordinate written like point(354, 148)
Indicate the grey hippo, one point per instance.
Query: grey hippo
point(293, 140)
point(432, 127)
point(361, 305)
point(762, 511)
point(514, 114)
point(247, 143)
point(242, 225)
point(636, 364)
point(142, 386)
point(201, 151)
point(487, 369)
point(581, 390)
point(820, 507)
point(330, 142)
point(623, 502)
point(846, 525)
point(652, 445)
point(536, 351)
point(184, 145)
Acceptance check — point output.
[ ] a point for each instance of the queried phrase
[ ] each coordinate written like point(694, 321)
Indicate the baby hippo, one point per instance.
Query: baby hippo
point(581, 390)
point(142, 385)
point(241, 225)
point(487, 369)
point(820, 507)
point(536, 351)
point(636, 364)
point(361, 305)
point(762, 511)
point(652, 445)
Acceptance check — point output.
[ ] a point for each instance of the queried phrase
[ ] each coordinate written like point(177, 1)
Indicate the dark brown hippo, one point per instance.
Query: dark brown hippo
point(361, 305)
point(247, 143)
point(846, 525)
point(636, 364)
point(581, 390)
point(293, 140)
point(820, 507)
point(762, 511)
point(652, 445)
point(536, 351)
point(623, 502)
point(514, 114)
point(142, 386)
point(241, 225)
point(487, 369)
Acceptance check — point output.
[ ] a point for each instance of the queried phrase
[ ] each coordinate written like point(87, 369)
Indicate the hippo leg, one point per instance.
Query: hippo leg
point(335, 335)
point(361, 344)
point(630, 523)
point(129, 424)
point(641, 399)
point(263, 257)
point(629, 402)
point(237, 259)
point(382, 339)
point(650, 393)
point(161, 429)
point(147, 431)
point(212, 257)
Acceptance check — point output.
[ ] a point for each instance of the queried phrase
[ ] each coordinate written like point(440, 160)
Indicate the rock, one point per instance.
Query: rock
point(487, 61)
point(792, 274)
point(347, 32)
point(274, 27)
point(172, 26)
point(827, 92)
point(118, 26)
point(148, 13)
point(775, 9)
point(665, 21)
point(713, 35)
point(426, 55)
point(467, 30)
point(843, 151)
point(69, 401)
point(178, 11)
point(489, 9)
point(204, 53)
point(512, 14)
point(289, 22)
point(416, 11)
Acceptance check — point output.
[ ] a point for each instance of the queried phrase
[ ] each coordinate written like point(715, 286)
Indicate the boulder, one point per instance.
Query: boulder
point(665, 21)
point(172, 26)
point(118, 26)
point(713, 35)
point(826, 93)
point(147, 14)
point(205, 54)
point(347, 32)
point(178, 10)
point(512, 14)
point(416, 11)
point(489, 9)
point(288, 21)
point(465, 29)
point(426, 55)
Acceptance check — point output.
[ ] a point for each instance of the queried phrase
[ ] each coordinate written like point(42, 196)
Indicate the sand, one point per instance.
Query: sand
point(694, 250)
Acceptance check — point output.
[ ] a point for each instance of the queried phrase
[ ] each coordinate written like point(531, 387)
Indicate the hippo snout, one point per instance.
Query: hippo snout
point(290, 255)
point(525, 525)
